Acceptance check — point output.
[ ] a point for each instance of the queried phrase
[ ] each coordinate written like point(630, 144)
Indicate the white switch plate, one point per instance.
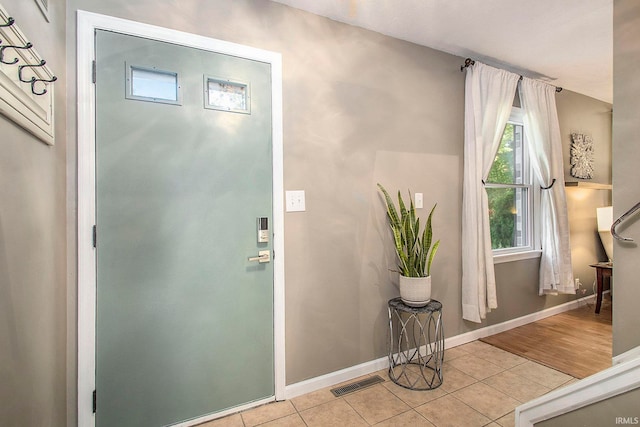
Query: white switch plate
point(418, 201)
point(295, 201)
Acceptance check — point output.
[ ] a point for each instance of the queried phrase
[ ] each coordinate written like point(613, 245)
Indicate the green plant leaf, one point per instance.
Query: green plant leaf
point(391, 209)
point(413, 247)
point(403, 209)
point(431, 256)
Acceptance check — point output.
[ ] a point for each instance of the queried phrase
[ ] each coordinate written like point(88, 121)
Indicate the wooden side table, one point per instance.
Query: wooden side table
point(416, 345)
point(603, 270)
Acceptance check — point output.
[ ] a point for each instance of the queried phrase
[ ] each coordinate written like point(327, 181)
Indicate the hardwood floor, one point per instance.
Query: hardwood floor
point(577, 342)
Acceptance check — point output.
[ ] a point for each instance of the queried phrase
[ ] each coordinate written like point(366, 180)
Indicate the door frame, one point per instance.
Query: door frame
point(87, 24)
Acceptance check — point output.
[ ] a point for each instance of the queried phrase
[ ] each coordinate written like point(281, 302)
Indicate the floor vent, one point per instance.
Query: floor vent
point(358, 385)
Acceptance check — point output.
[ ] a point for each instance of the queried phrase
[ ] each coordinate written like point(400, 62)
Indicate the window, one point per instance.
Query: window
point(227, 95)
point(151, 84)
point(512, 202)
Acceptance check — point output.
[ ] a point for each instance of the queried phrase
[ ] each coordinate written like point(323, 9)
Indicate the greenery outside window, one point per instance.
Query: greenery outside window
point(510, 184)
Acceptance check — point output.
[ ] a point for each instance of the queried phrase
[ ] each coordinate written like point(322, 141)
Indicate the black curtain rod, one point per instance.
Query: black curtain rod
point(469, 62)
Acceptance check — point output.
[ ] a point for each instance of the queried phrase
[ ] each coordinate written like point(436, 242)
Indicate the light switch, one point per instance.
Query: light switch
point(418, 201)
point(295, 201)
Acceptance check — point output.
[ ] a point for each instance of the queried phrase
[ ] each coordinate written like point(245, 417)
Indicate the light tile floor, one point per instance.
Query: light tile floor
point(482, 386)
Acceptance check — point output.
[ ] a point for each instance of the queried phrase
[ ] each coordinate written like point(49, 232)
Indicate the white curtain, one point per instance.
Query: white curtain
point(489, 94)
point(543, 135)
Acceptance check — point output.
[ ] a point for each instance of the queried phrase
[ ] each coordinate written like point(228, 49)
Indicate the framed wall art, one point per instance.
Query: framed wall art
point(581, 156)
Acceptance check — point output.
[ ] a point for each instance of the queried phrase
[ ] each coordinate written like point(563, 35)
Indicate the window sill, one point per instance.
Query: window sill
point(516, 256)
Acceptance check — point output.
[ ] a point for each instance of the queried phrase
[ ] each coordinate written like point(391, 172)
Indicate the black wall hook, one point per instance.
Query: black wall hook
point(10, 22)
point(35, 76)
point(15, 60)
point(34, 81)
point(22, 67)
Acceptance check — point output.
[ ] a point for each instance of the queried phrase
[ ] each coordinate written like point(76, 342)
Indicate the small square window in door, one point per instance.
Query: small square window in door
point(151, 84)
point(227, 95)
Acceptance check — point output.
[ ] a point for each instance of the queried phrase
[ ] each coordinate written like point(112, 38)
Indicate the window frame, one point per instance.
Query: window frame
point(130, 69)
point(532, 249)
point(221, 80)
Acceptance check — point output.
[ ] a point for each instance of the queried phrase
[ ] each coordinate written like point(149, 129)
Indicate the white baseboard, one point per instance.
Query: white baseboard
point(333, 378)
point(336, 377)
point(514, 323)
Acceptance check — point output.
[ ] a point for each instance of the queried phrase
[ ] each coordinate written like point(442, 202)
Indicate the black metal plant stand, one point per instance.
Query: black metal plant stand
point(416, 345)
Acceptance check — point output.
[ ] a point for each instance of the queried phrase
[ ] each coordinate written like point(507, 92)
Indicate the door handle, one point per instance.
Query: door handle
point(263, 256)
point(619, 220)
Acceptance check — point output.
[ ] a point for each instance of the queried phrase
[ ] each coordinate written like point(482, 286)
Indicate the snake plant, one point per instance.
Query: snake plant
point(414, 250)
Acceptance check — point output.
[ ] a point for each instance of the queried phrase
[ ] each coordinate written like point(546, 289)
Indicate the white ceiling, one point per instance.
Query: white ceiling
point(568, 43)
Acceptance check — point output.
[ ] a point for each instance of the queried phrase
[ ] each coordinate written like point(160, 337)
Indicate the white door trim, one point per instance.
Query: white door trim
point(87, 23)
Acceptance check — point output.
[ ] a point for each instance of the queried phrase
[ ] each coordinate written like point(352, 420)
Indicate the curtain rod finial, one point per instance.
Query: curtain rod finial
point(467, 63)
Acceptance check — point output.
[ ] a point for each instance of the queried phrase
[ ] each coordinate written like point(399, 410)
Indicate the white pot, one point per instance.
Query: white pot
point(415, 291)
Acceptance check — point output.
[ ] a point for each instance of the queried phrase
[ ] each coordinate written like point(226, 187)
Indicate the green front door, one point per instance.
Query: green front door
point(183, 171)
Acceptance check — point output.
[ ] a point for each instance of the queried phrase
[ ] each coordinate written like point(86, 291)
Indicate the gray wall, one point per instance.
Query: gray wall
point(359, 108)
point(626, 158)
point(33, 283)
